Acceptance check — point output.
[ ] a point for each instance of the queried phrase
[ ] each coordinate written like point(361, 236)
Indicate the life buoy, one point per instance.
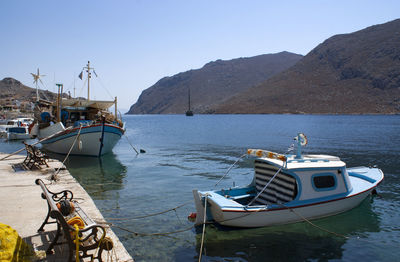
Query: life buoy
point(303, 139)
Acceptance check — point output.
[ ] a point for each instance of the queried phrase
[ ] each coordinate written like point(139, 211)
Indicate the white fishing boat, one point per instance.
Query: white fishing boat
point(78, 126)
point(15, 129)
point(17, 133)
point(288, 189)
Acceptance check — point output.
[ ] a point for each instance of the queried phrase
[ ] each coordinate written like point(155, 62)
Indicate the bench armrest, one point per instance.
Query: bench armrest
point(56, 196)
point(91, 231)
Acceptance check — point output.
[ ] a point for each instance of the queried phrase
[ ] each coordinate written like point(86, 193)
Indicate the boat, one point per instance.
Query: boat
point(189, 112)
point(15, 129)
point(288, 188)
point(17, 133)
point(77, 126)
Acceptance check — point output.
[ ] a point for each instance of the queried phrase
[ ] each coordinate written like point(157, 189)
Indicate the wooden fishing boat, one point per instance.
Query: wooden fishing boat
point(288, 189)
point(77, 126)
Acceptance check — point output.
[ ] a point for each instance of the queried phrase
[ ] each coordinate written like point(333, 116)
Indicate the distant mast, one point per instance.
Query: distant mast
point(189, 112)
point(88, 68)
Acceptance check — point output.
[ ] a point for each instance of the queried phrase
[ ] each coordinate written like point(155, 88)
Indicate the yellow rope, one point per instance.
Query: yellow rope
point(76, 240)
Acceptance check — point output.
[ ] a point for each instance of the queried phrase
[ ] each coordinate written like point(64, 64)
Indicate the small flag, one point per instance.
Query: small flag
point(80, 75)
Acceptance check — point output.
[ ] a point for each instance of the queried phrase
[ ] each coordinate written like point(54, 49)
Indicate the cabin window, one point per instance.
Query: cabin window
point(74, 116)
point(325, 181)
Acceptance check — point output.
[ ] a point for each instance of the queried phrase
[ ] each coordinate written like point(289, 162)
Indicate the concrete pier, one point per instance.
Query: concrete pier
point(23, 209)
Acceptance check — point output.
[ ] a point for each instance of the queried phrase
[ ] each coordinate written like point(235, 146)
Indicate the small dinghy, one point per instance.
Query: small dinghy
point(288, 189)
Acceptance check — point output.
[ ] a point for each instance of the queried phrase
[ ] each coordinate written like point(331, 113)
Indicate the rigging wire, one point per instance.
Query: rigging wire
point(229, 169)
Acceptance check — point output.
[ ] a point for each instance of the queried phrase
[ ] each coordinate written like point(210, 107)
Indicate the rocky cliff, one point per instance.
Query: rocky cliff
point(346, 74)
point(211, 85)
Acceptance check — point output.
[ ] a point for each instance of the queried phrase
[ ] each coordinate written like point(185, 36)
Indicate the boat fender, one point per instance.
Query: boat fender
point(30, 127)
point(192, 216)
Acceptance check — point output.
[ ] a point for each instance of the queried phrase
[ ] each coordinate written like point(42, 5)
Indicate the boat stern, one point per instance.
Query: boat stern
point(200, 215)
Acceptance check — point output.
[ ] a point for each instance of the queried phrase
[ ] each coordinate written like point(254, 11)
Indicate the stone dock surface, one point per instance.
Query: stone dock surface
point(23, 208)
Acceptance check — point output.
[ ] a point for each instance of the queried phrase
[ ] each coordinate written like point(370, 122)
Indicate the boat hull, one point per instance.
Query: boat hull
point(93, 140)
point(228, 212)
point(259, 217)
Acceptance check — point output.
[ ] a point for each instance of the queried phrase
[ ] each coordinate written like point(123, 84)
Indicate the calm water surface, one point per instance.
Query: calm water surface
point(185, 153)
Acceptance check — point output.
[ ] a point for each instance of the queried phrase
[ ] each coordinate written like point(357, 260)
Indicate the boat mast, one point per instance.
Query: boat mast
point(189, 98)
point(88, 68)
point(59, 101)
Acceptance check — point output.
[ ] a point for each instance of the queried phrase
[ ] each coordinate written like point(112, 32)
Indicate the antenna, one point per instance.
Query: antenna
point(88, 71)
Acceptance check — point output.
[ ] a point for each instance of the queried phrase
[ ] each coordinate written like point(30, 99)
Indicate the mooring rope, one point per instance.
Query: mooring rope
point(37, 142)
point(153, 234)
point(131, 145)
point(311, 223)
point(149, 215)
point(204, 227)
point(69, 152)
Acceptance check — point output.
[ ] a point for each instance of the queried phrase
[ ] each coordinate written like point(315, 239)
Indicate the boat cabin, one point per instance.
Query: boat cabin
point(75, 112)
point(309, 178)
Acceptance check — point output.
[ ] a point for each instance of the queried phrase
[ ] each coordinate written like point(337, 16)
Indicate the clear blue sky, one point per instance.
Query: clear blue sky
point(134, 43)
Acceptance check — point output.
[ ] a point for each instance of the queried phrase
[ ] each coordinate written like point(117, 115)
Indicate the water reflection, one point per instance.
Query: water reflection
point(96, 175)
point(293, 242)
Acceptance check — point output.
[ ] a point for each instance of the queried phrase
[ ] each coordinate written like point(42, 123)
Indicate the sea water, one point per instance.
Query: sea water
point(186, 153)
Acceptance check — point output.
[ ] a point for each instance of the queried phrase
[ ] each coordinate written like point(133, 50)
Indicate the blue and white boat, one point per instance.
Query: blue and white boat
point(77, 126)
point(16, 129)
point(288, 189)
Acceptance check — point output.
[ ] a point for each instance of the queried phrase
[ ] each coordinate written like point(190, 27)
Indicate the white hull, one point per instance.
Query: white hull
point(88, 143)
point(17, 136)
point(285, 215)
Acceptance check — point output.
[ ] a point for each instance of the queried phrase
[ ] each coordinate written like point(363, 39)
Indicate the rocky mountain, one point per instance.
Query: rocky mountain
point(12, 89)
point(349, 73)
point(210, 85)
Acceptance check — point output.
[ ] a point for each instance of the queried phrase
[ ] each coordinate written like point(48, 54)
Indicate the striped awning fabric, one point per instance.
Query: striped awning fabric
point(281, 190)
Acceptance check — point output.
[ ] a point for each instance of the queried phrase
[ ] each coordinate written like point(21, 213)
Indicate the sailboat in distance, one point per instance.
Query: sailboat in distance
point(189, 112)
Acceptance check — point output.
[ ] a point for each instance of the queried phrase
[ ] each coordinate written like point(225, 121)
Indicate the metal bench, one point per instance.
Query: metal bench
point(34, 157)
point(92, 240)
